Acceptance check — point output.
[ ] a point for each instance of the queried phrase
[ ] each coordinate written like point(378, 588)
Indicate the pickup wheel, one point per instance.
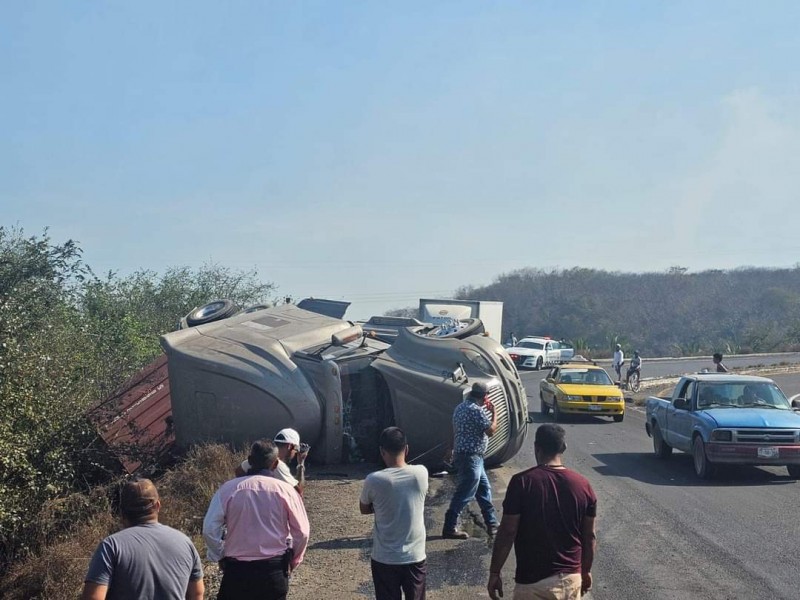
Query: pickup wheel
point(557, 416)
point(702, 467)
point(544, 408)
point(539, 363)
point(794, 471)
point(660, 447)
point(619, 418)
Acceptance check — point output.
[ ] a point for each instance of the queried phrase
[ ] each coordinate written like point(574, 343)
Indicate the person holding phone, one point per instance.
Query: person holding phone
point(474, 420)
point(289, 447)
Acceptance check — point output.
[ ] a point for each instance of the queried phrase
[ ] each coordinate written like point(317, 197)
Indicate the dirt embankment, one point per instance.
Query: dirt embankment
point(337, 563)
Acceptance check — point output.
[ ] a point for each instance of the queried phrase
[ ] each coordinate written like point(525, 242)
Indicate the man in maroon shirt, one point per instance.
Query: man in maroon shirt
point(548, 516)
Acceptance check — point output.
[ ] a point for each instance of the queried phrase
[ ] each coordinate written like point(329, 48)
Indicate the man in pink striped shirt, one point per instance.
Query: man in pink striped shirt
point(266, 531)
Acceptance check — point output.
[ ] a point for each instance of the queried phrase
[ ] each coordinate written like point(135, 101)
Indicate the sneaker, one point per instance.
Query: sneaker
point(455, 534)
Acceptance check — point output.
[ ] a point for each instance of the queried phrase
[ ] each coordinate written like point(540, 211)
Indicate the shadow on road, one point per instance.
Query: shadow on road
point(679, 471)
point(539, 418)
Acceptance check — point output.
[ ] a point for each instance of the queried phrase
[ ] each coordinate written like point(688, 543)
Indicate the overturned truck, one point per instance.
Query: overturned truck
point(338, 383)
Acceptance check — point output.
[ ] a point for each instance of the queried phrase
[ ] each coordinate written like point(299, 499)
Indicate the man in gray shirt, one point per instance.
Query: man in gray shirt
point(396, 496)
point(146, 560)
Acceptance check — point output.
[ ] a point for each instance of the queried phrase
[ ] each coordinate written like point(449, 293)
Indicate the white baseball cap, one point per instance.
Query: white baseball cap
point(287, 436)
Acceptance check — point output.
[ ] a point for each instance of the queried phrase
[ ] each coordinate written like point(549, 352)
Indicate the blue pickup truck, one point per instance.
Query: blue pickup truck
point(724, 418)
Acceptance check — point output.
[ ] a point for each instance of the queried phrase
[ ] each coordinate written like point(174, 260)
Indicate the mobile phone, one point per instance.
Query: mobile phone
point(304, 448)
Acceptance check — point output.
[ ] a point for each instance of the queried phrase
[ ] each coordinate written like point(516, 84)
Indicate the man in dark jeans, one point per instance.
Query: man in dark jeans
point(396, 496)
point(548, 516)
point(257, 553)
point(474, 419)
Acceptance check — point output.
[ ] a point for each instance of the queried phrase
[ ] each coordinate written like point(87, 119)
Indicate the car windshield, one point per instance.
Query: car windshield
point(585, 377)
point(741, 395)
point(531, 345)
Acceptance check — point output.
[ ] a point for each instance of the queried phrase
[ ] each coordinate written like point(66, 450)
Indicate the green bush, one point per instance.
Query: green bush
point(67, 340)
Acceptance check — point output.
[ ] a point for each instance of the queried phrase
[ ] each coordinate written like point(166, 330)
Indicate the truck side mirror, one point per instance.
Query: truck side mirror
point(681, 404)
point(459, 374)
point(796, 404)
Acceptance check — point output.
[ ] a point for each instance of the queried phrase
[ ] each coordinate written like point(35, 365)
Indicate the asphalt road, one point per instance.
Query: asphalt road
point(665, 534)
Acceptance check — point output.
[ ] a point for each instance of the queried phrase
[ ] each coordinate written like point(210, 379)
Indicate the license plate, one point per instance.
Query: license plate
point(597, 407)
point(768, 452)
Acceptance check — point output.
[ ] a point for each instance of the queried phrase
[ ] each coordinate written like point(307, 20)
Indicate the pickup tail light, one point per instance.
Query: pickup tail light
point(721, 435)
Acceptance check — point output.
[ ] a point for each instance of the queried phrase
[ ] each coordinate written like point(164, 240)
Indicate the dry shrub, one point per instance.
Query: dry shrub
point(58, 571)
point(186, 490)
point(79, 522)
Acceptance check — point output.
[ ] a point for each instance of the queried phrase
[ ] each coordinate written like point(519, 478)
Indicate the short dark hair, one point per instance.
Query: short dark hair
point(263, 455)
point(393, 440)
point(717, 356)
point(551, 439)
point(138, 500)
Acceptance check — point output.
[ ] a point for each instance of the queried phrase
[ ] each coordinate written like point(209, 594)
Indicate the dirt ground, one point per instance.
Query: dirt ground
point(337, 561)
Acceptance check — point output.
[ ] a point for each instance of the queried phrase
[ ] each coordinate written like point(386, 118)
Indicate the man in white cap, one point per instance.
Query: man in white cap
point(288, 444)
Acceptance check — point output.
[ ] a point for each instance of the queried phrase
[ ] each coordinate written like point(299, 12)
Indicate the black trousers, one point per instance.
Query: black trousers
point(254, 580)
point(391, 580)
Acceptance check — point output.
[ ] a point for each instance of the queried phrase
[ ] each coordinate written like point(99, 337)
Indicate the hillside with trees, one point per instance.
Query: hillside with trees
point(674, 313)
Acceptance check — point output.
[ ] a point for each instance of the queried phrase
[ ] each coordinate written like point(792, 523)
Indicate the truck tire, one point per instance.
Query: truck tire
point(660, 447)
point(213, 311)
point(794, 471)
point(544, 408)
point(619, 418)
point(703, 468)
point(539, 363)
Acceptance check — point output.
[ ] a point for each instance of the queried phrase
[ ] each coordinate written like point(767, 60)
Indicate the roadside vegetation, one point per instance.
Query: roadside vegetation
point(56, 570)
point(68, 338)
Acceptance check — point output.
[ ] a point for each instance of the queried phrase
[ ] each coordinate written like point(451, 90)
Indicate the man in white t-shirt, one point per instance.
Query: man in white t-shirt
point(618, 361)
point(396, 496)
point(288, 444)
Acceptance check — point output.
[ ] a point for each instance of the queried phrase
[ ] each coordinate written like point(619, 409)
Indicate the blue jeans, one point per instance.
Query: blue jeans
point(472, 483)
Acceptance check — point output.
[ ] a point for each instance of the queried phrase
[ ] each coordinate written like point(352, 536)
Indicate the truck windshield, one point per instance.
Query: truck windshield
point(741, 395)
point(479, 361)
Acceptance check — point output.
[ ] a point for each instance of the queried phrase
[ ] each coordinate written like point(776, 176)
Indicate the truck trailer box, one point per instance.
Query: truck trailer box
point(438, 312)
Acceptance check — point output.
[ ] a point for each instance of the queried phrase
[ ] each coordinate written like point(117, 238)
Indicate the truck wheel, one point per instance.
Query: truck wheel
point(660, 447)
point(213, 311)
point(557, 416)
point(794, 471)
point(703, 468)
point(539, 363)
point(619, 418)
point(544, 408)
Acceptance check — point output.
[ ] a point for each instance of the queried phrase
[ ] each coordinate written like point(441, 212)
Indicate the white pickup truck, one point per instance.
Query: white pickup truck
point(533, 352)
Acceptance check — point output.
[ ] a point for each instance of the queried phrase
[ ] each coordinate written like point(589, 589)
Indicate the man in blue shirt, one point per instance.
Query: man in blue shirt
point(474, 420)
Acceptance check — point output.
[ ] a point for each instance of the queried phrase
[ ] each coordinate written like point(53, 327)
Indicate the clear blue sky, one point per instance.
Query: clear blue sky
point(378, 151)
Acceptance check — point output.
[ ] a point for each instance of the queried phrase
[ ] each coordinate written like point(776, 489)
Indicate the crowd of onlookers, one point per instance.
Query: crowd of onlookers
point(257, 530)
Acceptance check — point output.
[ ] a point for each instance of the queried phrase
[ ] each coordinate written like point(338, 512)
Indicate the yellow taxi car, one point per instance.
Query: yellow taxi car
point(581, 389)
